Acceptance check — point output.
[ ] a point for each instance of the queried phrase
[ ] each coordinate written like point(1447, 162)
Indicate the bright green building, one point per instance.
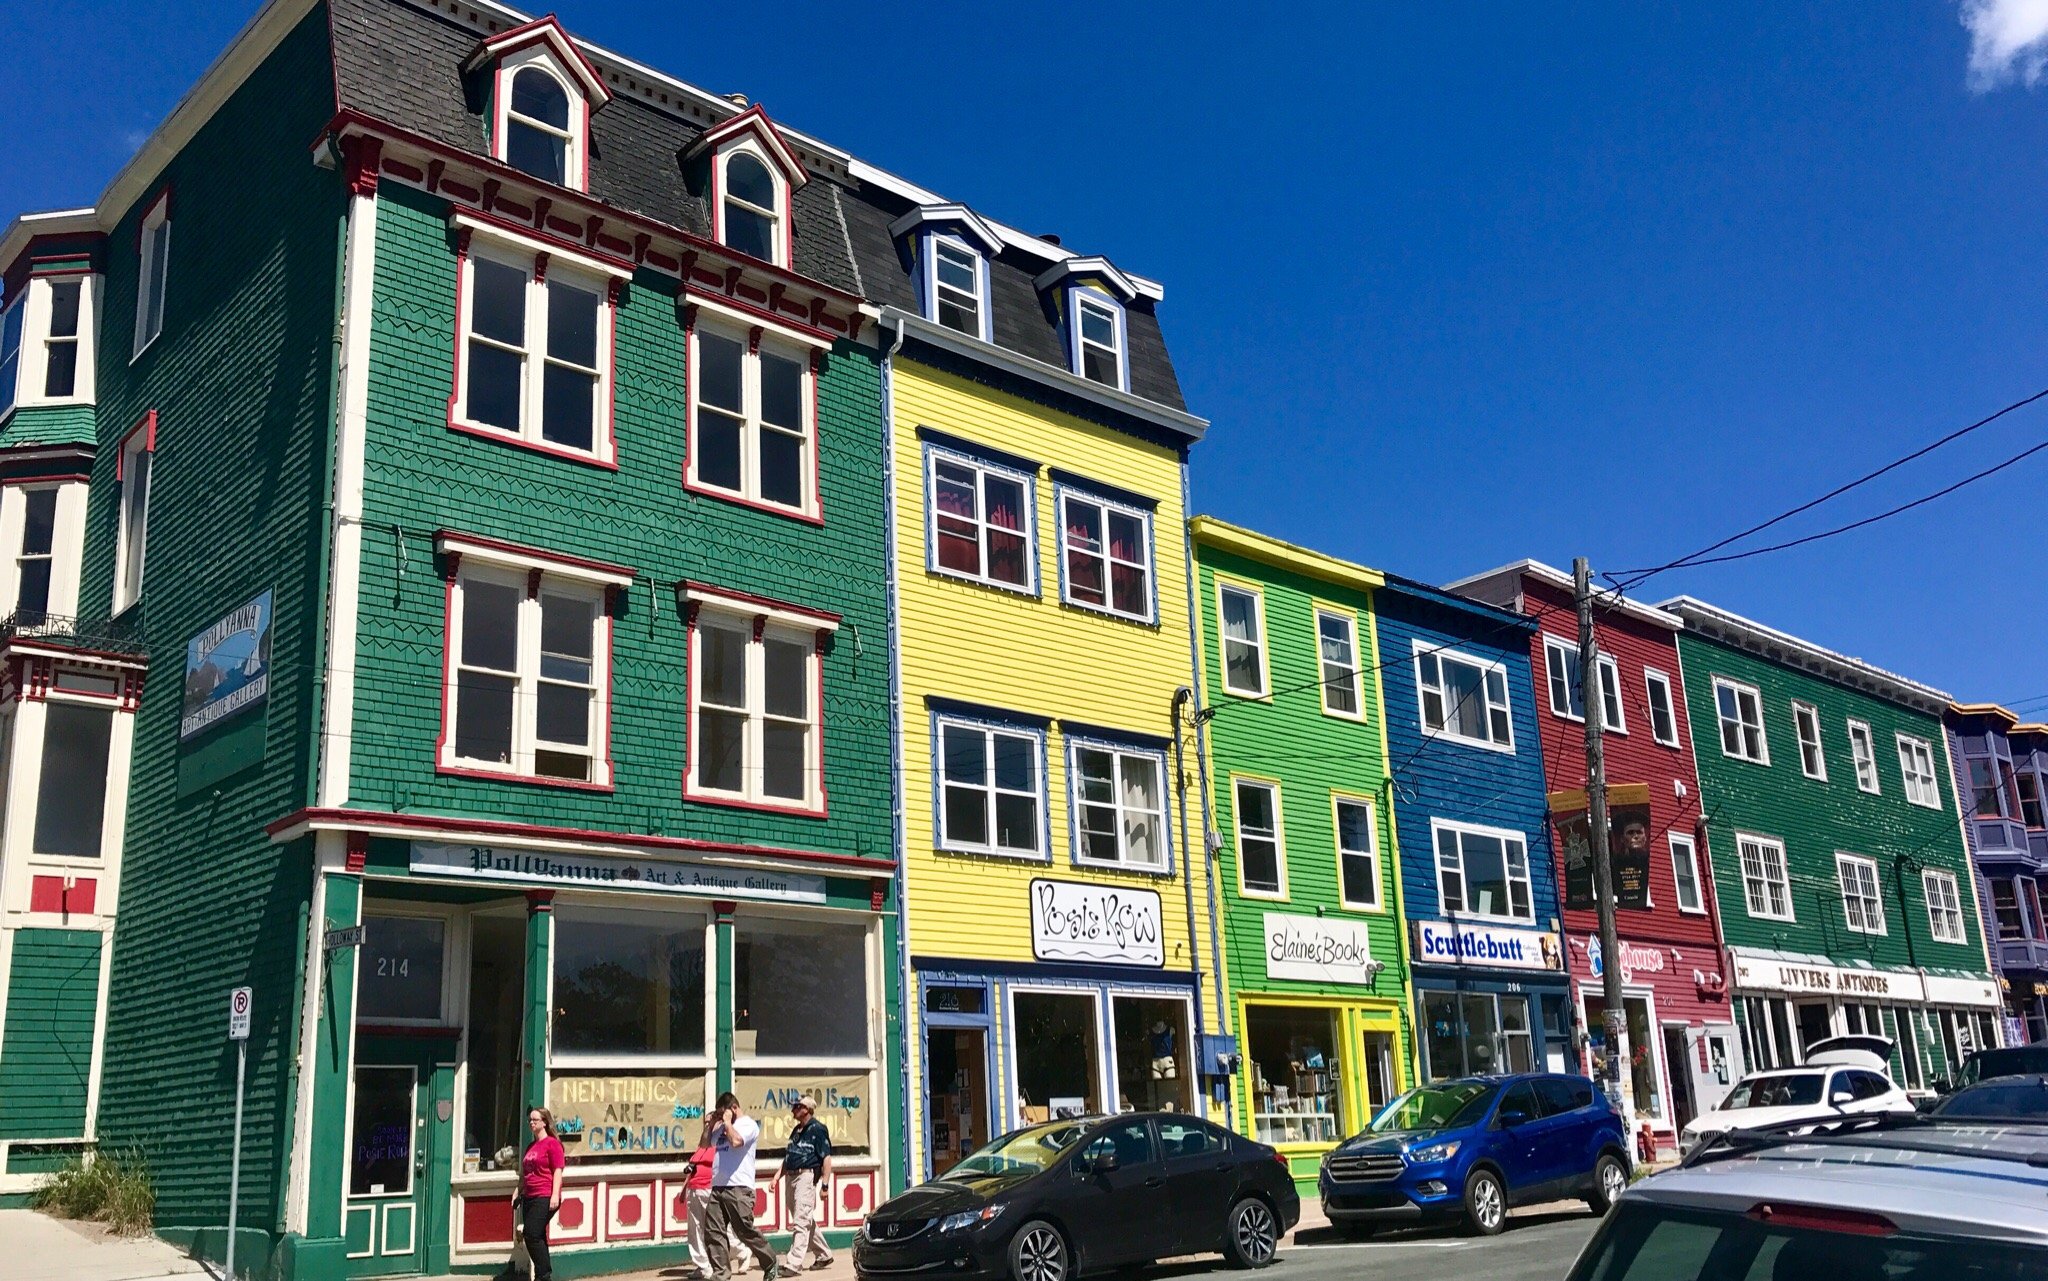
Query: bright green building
point(1308, 870)
point(1844, 886)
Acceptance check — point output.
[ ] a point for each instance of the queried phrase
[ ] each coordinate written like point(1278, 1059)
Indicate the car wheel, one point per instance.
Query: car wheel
point(1610, 1180)
point(1254, 1234)
point(1486, 1204)
point(1039, 1253)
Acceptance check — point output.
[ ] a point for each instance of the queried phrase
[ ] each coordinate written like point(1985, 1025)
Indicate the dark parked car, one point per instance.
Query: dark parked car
point(2004, 1098)
point(1474, 1147)
point(2010, 1060)
point(1051, 1202)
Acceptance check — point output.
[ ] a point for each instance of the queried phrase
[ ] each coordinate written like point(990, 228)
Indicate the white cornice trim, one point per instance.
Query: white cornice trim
point(1782, 647)
point(28, 226)
point(1097, 267)
point(1148, 411)
point(1555, 577)
point(976, 227)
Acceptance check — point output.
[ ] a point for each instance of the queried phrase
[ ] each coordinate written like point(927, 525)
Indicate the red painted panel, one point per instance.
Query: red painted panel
point(486, 1220)
point(47, 894)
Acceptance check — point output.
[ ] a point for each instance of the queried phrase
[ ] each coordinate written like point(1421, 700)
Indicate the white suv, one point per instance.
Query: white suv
point(1881, 1197)
point(1842, 1074)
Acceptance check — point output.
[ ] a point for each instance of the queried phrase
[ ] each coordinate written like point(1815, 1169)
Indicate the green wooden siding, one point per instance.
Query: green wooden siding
point(422, 477)
point(241, 383)
point(49, 424)
point(53, 995)
point(1311, 755)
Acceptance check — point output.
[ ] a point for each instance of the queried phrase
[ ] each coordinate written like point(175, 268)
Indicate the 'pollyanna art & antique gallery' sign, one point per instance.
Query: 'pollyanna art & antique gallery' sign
point(227, 668)
point(1071, 921)
point(495, 863)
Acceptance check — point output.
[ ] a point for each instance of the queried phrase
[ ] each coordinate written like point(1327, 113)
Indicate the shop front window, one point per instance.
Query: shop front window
point(800, 1012)
point(1815, 1024)
point(398, 977)
point(1469, 1033)
point(1296, 1087)
point(1151, 1053)
point(1057, 1035)
point(1641, 1069)
point(494, 1116)
point(628, 983)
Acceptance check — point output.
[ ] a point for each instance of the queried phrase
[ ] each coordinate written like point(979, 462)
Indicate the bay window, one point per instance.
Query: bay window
point(1119, 804)
point(71, 794)
point(1107, 551)
point(534, 365)
point(752, 419)
point(1482, 871)
point(981, 521)
point(529, 657)
point(755, 735)
point(12, 322)
point(46, 341)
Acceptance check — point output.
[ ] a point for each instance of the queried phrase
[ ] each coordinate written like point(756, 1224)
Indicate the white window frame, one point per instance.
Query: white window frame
point(752, 343)
point(1041, 846)
point(779, 233)
point(1685, 852)
point(152, 272)
point(67, 545)
point(1371, 853)
point(1077, 346)
point(1739, 690)
point(1922, 788)
point(1067, 494)
point(1354, 676)
point(1425, 652)
point(131, 540)
point(936, 243)
point(1756, 906)
point(1278, 836)
point(541, 262)
point(532, 576)
point(1654, 680)
point(1558, 655)
point(1224, 640)
point(36, 307)
point(1949, 912)
point(755, 621)
point(934, 455)
point(1863, 756)
point(1865, 897)
point(1438, 826)
point(575, 162)
point(1616, 716)
point(1806, 716)
point(1119, 751)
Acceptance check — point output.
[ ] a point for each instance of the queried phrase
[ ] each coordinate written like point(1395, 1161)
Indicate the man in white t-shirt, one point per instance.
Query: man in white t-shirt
point(734, 1137)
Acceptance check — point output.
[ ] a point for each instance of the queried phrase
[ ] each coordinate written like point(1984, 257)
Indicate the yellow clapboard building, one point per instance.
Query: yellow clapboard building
point(1057, 959)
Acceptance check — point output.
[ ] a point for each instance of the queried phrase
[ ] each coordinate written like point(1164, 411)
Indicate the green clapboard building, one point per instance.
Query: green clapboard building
point(1307, 871)
point(442, 539)
point(1844, 887)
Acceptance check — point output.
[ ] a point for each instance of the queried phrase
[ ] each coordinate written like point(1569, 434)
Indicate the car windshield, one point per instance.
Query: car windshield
point(1645, 1242)
point(1797, 1090)
point(1449, 1106)
point(2026, 1097)
point(2009, 1061)
point(1023, 1152)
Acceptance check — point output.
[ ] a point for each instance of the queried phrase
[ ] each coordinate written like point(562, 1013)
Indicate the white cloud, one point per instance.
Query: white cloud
point(2008, 41)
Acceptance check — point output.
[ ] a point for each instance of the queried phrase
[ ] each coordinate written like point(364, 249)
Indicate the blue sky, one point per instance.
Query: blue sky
point(1455, 283)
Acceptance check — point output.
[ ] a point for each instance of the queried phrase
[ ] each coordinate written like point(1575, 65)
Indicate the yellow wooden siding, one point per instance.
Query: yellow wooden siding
point(1033, 655)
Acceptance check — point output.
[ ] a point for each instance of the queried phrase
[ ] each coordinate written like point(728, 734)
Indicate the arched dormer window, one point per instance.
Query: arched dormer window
point(543, 91)
point(753, 175)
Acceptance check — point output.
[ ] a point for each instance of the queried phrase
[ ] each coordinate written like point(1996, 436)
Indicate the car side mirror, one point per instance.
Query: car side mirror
point(1104, 1164)
point(1839, 1097)
point(1512, 1117)
point(1943, 1086)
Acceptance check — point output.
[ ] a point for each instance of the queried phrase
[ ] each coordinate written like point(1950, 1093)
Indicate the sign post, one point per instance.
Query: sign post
point(239, 1002)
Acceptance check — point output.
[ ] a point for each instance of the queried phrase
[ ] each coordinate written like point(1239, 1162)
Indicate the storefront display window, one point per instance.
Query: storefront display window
point(1058, 1047)
point(1297, 1092)
point(494, 1120)
point(800, 989)
point(1152, 1072)
point(628, 983)
point(1468, 1033)
point(1815, 1024)
point(1641, 1068)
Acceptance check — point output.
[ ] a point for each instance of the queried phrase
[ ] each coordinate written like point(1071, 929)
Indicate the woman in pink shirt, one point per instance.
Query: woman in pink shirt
point(540, 1189)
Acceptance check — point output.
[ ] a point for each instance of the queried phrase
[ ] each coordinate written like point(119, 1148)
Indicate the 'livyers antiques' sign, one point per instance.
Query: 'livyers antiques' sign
point(538, 868)
point(1071, 921)
point(1319, 949)
point(1801, 978)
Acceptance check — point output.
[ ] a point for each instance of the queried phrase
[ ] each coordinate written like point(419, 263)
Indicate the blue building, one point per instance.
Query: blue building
point(1479, 883)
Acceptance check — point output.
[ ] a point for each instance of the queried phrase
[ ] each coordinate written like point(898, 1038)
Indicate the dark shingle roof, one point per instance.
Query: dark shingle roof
point(403, 64)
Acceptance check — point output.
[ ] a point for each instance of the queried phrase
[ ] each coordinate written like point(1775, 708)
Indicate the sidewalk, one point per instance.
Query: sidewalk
point(40, 1248)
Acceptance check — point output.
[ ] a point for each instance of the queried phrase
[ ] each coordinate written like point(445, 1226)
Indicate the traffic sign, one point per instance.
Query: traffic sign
point(239, 1002)
point(349, 936)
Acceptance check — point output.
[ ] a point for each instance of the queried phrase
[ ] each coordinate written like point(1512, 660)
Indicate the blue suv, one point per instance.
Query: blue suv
point(1473, 1148)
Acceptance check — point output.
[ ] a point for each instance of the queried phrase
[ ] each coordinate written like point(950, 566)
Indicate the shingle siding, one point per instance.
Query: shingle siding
point(53, 993)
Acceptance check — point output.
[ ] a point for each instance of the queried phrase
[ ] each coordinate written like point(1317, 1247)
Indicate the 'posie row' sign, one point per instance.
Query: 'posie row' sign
point(1071, 921)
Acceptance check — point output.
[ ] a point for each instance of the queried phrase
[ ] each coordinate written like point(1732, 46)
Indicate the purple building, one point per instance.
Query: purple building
point(2002, 774)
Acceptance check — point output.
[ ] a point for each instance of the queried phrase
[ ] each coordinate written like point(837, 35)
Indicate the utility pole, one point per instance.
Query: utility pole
point(1596, 830)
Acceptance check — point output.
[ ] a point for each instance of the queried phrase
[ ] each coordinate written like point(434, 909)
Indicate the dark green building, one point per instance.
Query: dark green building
point(1844, 886)
point(448, 599)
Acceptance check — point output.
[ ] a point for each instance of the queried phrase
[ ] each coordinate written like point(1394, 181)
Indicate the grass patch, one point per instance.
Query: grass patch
point(111, 1188)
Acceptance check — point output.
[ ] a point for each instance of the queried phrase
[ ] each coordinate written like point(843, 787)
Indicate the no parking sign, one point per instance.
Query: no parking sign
point(239, 1001)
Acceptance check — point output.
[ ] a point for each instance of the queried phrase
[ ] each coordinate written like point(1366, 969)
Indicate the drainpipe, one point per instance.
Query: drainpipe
point(1181, 698)
point(909, 1003)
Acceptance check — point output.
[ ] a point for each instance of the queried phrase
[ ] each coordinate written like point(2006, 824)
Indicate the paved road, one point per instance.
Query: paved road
point(1538, 1245)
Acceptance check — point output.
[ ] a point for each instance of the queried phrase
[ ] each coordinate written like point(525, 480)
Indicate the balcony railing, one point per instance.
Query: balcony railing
point(121, 635)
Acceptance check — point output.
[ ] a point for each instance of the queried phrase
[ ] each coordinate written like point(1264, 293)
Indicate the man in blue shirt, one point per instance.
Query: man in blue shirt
point(807, 1162)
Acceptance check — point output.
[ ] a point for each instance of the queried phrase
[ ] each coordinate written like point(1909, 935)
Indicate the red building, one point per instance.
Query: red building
point(1681, 1051)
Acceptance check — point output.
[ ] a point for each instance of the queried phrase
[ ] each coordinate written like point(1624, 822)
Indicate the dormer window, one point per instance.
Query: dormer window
point(753, 174)
point(537, 137)
point(957, 287)
point(542, 93)
point(952, 248)
point(751, 217)
point(1092, 296)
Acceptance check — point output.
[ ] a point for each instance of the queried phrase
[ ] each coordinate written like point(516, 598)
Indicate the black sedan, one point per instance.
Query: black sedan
point(1055, 1201)
point(1998, 1098)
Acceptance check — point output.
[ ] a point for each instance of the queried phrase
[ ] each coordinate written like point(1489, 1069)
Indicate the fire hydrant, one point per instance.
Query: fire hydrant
point(1646, 1145)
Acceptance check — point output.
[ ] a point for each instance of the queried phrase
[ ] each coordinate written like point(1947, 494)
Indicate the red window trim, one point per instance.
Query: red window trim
point(164, 197)
point(146, 423)
point(786, 214)
point(691, 485)
point(501, 110)
point(691, 792)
